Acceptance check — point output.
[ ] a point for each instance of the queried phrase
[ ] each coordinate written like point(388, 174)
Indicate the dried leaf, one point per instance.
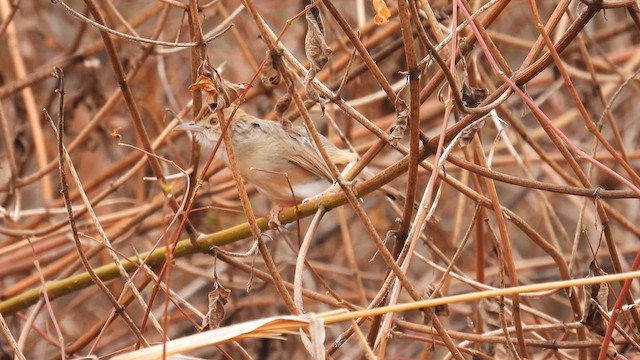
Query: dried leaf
point(317, 52)
point(220, 93)
point(205, 84)
point(472, 97)
point(232, 91)
point(382, 12)
point(311, 93)
point(270, 74)
point(439, 310)
point(282, 105)
point(115, 133)
point(594, 295)
point(490, 316)
point(402, 119)
point(490, 313)
point(217, 300)
point(315, 45)
point(468, 132)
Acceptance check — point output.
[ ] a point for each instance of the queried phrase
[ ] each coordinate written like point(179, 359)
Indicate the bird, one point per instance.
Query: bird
point(281, 162)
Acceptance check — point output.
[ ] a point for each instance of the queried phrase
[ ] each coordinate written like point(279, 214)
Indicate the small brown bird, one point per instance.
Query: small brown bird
point(270, 157)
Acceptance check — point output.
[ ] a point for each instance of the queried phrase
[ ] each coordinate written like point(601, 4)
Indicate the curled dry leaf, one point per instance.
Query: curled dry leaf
point(270, 74)
point(382, 12)
point(472, 97)
point(468, 132)
point(315, 45)
point(217, 300)
point(232, 91)
point(438, 310)
point(400, 125)
point(317, 52)
point(115, 133)
point(312, 94)
point(490, 316)
point(219, 92)
point(595, 296)
point(205, 84)
point(282, 105)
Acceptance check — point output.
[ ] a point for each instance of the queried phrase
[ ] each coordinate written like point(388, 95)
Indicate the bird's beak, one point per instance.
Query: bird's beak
point(189, 126)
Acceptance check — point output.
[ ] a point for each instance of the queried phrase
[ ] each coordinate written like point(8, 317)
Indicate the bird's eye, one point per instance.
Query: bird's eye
point(214, 121)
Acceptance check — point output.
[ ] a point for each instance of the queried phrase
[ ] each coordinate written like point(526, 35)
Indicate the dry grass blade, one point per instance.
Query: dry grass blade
point(272, 328)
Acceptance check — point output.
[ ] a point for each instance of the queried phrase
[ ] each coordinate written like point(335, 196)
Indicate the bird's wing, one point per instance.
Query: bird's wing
point(302, 152)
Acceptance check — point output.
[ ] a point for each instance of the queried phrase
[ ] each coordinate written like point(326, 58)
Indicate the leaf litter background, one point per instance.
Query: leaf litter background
point(562, 217)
